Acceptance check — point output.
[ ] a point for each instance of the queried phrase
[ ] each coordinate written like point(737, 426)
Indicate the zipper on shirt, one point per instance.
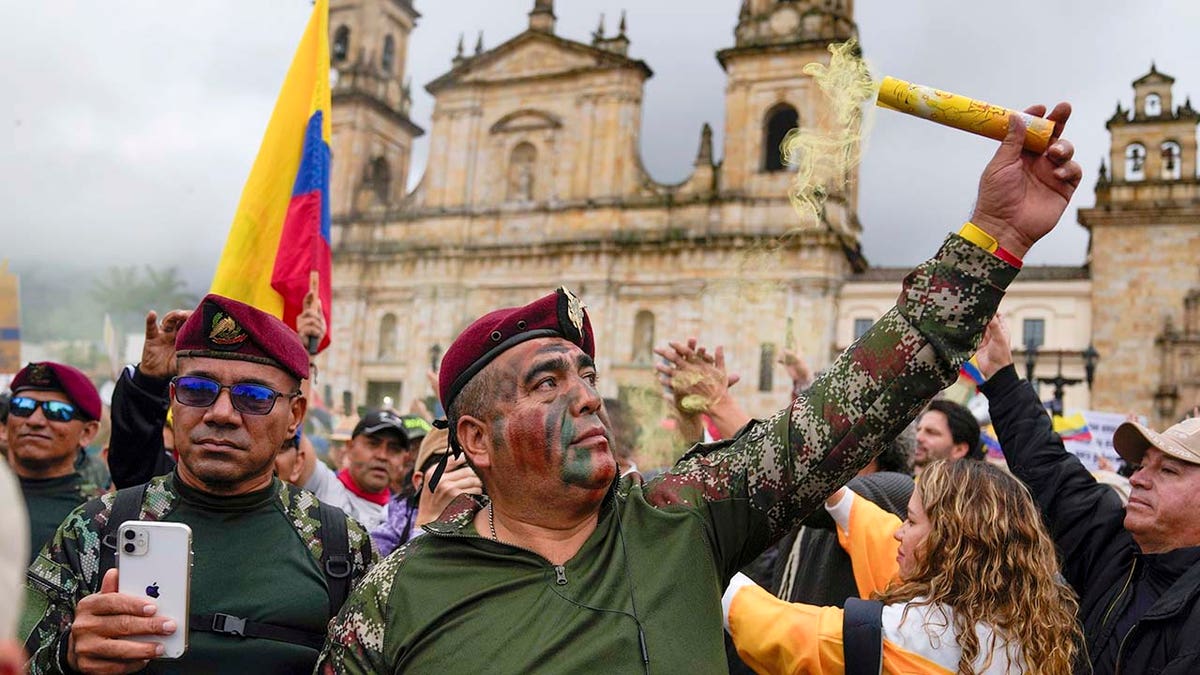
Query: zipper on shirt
point(1113, 605)
point(560, 571)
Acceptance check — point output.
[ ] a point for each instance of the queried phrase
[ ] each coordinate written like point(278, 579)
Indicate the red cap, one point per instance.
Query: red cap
point(559, 314)
point(51, 376)
point(221, 328)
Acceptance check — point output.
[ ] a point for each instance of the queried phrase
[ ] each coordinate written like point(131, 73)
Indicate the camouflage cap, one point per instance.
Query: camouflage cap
point(222, 328)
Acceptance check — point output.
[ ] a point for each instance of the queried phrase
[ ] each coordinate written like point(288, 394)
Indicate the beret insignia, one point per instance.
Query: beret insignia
point(39, 375)
point(224, 332)
point(570, 314)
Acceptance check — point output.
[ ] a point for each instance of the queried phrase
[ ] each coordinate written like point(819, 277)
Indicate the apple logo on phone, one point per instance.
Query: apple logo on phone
point(152, 590)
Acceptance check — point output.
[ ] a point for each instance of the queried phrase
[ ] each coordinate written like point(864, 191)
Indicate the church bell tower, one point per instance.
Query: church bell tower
point(372, 133)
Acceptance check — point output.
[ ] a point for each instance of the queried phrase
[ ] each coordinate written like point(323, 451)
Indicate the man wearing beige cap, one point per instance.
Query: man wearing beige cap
point(1137, 568)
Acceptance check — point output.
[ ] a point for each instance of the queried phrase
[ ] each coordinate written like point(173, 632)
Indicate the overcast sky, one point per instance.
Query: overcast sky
point(134, 123)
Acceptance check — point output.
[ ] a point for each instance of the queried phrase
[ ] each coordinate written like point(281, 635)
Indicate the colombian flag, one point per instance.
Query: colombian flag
point(280, 233)
point(1072, 428)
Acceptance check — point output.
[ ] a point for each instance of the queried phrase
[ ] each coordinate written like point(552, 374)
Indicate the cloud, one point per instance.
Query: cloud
point(134, 124)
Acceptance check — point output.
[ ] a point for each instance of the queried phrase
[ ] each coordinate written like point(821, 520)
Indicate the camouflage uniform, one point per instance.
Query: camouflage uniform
point(230, 574)
point(663, 552)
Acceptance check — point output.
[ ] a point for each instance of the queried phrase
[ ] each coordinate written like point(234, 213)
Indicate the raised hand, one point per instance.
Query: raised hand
point(995, 350)
point(697, 379)
point(1022, 195)
point(158, 350)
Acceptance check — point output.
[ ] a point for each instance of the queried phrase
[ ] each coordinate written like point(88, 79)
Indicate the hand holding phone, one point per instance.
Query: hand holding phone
point(104, 621)
point(155, 560)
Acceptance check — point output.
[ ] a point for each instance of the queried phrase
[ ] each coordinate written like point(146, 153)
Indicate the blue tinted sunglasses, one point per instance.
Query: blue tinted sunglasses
point(246, 397)
point(55, 411)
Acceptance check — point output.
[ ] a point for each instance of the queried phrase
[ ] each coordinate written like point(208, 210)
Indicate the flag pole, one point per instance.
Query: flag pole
point(314, 288)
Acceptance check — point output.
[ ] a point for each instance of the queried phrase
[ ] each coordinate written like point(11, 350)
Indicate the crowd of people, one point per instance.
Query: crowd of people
point(859, 529)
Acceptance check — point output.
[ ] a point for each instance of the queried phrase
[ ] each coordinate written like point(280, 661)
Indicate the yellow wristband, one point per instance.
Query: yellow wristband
point(976, 236)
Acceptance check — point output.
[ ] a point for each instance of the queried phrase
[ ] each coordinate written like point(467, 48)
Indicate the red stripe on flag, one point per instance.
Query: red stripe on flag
point(301, 250)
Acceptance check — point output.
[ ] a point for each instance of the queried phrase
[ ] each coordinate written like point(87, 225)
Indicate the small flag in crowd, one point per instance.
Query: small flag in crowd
point(1072, 428)
point(281, 230)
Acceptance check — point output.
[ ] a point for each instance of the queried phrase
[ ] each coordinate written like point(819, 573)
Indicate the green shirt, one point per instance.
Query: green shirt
point(48, 501)
point(452, 601)
point(255, 557)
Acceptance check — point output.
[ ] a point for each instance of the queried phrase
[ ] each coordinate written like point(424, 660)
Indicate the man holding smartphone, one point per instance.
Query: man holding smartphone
point(262, 588)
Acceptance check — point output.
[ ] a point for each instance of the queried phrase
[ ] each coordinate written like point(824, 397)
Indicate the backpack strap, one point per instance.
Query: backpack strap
point(862, 636)
point(233, 626)
point(335, 555)
point(127, 505)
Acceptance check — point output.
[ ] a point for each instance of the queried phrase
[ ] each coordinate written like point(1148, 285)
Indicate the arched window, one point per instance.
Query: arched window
point(643, 337)
point(1135, 161)
point(1153, 105)
point(521, 167)
point(779, 121)
point(379, 178)
point(387, 337)
point(1172, 159)
point(389, 54)
point(341, 43)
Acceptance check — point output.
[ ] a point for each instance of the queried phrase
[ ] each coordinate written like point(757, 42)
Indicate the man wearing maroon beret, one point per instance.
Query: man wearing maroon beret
point(565, 568)
point(268, 557)
point(53, 414)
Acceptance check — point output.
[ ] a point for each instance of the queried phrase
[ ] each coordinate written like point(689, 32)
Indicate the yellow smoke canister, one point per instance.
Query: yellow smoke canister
point(961, 112)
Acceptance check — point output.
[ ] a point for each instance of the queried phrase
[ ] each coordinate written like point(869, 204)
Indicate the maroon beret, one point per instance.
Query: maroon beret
point(51, 376)
point(559, 314)
point(221, 328)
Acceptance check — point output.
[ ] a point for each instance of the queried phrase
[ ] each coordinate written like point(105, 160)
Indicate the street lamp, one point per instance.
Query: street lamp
point(1090, 358)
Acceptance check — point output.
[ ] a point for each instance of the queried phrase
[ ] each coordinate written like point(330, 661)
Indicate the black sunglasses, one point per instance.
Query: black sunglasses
point(246, 397)
point(55, 411)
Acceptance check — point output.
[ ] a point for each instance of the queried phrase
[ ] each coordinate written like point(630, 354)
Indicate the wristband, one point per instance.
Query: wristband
point(971, 232)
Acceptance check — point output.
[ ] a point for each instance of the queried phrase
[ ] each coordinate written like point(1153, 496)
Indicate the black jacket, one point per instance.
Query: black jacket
point(1099, 557)
point(139, 411)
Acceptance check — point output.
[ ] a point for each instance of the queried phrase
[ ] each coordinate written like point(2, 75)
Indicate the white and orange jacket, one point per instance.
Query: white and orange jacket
point(775, 636)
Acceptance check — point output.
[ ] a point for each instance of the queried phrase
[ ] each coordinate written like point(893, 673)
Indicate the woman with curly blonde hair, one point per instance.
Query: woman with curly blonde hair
point(968, 583)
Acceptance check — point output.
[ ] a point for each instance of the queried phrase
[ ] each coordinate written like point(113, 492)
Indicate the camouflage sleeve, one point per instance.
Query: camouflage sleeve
point(66, 570)
point(752, 491)
point(356, 641)
point(362, 551)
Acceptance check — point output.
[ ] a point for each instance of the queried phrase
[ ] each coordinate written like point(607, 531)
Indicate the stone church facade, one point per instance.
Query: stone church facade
point(534, 179)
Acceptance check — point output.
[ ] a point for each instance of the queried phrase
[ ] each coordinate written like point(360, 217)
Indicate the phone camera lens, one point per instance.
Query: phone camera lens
point(130, 548)
point(130, 534)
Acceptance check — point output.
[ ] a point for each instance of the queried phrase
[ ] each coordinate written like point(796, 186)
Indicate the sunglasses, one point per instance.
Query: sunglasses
point(201, 392)
point(55, 411)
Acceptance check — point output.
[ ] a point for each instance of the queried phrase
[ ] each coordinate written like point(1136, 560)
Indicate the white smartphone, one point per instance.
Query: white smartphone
point(155, 560)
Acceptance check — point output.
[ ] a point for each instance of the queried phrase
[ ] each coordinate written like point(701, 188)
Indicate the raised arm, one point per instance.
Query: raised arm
point(139, 406)
point(757, 488)
point(1084, 517)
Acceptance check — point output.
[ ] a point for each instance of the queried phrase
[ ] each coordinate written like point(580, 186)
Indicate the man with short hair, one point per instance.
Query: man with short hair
point(946, 430)
point(1137, 568)
point(565, 568)
point(361, 488)
point(271, 564)
point(53, 414)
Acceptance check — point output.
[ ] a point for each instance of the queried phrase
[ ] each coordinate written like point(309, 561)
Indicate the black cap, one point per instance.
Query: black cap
point(380, 420)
